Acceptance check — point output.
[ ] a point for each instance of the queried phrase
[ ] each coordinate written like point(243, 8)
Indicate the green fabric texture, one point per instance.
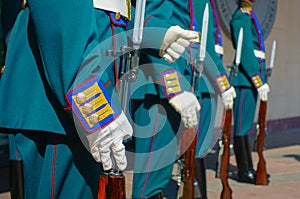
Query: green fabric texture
point(250, 64)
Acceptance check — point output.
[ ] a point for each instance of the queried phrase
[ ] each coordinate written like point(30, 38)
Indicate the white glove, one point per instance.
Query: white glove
point(227, 98)
point(263, 92)
point(110, 140)
point(175, 41)
point(187, 105)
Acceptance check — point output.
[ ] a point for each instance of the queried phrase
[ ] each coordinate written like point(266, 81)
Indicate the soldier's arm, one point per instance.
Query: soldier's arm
point(66, 32)
point(249, 62)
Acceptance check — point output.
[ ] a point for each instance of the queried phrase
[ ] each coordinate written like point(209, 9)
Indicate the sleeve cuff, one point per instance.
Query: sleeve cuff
point(257, 81)
point(171, 83)
point(222, 83)
point(92, 105)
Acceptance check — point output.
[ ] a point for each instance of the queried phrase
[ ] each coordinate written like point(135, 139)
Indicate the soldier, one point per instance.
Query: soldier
point(249, 79)
point(61, 130)
point(161, 99)
point(213, 82)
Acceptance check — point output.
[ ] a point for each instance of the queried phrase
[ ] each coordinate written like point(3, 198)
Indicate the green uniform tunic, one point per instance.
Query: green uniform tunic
point(252, 71)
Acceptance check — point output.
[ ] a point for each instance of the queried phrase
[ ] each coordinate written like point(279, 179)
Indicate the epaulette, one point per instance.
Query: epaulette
point(171, 83)
point(92, 105)
point(245, 10)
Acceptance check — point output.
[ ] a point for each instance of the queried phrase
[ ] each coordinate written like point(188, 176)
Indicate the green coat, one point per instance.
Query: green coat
point(56, 68)
point(213, 68)
point(251, 66)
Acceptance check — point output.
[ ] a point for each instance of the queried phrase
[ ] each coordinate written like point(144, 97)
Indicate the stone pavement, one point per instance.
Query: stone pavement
point(282, 154)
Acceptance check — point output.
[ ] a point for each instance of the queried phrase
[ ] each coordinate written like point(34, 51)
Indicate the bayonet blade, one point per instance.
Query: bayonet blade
point(204, 33)
point(239, 47)
point(138, 23)
point(273, 52)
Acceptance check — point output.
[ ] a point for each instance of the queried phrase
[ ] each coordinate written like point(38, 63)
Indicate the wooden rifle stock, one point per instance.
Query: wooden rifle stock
point(226, 129)
point(189, 139)
point(261, 172)
point(111, 185)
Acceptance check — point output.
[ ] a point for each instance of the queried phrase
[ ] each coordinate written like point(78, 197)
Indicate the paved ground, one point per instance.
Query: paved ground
point(282, 154)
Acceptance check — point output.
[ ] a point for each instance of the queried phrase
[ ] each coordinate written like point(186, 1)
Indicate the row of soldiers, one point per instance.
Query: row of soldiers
point(59, 93)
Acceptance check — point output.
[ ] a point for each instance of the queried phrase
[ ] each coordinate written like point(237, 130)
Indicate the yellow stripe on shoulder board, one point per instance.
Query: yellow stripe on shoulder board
point(222, 83)
point(257, 81)
point(92, 105)
point(171, 83)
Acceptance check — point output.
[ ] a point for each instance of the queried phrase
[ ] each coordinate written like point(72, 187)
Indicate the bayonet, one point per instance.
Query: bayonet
point(138, 23)
point(204, 34)
point(198, 63)
point(113, 181)
point(238, 54)
point(239, 47)
point(272, 59)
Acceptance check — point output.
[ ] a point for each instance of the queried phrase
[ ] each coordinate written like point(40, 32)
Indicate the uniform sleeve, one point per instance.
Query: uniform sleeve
point(250, 65)
point(213, 63)
point(67, 36)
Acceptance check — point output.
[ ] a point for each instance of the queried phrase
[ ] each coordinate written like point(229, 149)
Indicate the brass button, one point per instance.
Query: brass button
point(80, 98)
point(2, 69)
point(94, 119)
point(118, 16)
point(87, 108)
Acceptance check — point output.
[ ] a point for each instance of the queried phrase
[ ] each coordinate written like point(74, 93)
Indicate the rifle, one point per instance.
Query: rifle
point(188, 161)
point(226, 129)
point(190, 139)
point(112, 182)
point(224, 152)
point(111, 185)
point(261, 172)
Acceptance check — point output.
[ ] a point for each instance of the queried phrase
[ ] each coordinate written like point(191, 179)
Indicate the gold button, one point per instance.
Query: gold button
point(87, 108)
point(2, 69)
point(80, 98)
point(118, 16)
point(94, 119)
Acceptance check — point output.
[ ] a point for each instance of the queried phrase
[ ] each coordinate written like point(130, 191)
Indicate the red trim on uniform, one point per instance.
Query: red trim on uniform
point(87, 81)
point(147, 19)
point(191, 8)
point(114, 22)
point(115, 60)
point(150, 157)
point(67, 108)
point(107, 83)
point(53, 170)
